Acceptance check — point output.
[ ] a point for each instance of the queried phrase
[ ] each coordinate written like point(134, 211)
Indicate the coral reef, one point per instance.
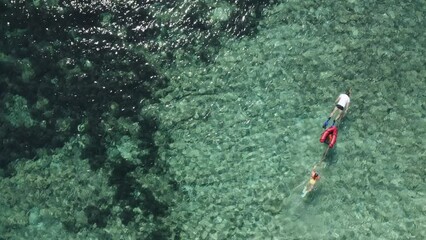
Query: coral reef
point(74, 77)
point(200, 119)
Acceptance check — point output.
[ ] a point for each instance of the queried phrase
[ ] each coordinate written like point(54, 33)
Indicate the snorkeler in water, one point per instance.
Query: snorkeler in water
point(312, 181)
point(342, 106)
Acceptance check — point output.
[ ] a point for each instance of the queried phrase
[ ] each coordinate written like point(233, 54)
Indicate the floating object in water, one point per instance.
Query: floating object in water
point(329, 136)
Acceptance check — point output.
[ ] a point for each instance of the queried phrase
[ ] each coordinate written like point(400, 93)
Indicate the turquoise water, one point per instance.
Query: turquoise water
point(221, 143)
point(253, 121)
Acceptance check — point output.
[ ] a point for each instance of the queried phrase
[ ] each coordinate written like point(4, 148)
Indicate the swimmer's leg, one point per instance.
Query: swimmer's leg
point(305, 191)
point(335, 109)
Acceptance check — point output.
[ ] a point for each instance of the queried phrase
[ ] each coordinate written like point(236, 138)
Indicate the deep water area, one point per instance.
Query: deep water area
point(201, 119)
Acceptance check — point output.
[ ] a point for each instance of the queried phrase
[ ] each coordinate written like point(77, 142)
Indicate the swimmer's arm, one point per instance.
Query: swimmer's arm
point(337, 99)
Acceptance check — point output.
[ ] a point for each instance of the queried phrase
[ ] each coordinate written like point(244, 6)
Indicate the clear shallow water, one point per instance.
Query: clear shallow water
point(260, 137)
point(219, 147)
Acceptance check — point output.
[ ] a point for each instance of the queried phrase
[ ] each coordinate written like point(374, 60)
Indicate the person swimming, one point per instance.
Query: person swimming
point(312, 181)
point(342, 106)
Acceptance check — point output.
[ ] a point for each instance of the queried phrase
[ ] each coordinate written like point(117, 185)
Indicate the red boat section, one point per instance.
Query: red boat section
point(329, 136)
